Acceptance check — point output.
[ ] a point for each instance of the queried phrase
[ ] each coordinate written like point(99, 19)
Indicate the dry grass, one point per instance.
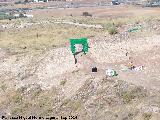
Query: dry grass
point(43, 36)
point(46, 36)
point(23, 102)
point(147, 116)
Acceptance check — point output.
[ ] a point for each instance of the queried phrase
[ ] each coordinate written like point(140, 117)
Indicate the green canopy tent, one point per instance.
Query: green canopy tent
point(82, 41)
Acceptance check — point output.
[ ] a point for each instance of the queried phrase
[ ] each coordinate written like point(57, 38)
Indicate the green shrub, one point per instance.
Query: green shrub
point(127, 97)
point(147, 116)
point(112, 30)
point(63, 82)
point(3, 87)
point(17, 98)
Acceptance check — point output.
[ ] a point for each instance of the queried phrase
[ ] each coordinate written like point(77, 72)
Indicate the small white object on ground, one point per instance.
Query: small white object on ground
point(138, 68)
point(110, 72)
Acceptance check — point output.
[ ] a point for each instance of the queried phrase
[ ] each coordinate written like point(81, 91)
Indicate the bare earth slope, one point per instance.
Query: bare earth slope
point(46, 69)
point(38, 75)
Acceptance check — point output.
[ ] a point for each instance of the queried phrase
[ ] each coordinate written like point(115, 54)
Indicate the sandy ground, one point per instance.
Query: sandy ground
point(54, 74)
point(54, 66)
